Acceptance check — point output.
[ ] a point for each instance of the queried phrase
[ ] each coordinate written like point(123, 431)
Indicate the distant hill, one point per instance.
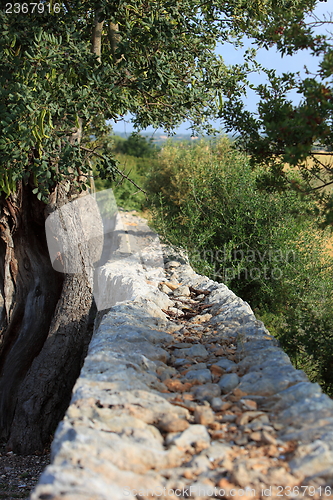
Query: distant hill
point(159, 138)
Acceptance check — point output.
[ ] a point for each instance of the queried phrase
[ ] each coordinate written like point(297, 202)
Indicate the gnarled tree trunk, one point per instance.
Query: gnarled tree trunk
point(44, 325)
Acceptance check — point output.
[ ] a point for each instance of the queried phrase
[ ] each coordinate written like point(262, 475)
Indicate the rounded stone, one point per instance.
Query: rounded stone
point(228, 382)
point(216, 403)
point(179, 362)
point(203, 415)
point(225, 363)
point(197, 350)
point(202, 376)
point(207, 392)
point(182, 290)
point(171, 424)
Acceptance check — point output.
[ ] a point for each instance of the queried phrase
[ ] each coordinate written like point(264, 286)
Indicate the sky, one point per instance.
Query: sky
point(267, 58)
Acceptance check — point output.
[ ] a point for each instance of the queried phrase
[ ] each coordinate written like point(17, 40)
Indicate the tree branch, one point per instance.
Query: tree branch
point(323, 186)
point(117, 169)
point(114, 37)
point(97, 36)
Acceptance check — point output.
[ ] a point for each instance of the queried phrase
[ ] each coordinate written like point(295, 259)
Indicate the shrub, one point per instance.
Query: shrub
point(135, 157)
point(205, 197)
point(136, 145)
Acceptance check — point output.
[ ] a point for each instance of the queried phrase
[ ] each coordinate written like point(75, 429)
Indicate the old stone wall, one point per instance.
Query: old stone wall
point(184, 393)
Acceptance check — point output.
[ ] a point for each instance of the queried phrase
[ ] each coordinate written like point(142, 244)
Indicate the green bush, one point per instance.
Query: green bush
point(127, 195)
point(205, 197)
point(135, 157)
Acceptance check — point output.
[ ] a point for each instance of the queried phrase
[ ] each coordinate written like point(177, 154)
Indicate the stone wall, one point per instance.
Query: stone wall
point(184, 393)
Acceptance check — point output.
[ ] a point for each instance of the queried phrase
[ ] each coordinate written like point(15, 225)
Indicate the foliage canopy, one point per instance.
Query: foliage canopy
point(152, 58)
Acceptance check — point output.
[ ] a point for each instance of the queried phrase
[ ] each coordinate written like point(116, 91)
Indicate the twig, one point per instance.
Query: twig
point(320, 187)
point(116, 169)
point(67, 7)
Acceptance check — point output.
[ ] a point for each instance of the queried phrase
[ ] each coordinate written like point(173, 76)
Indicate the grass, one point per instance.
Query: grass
point(324, 162)
point(321, 168)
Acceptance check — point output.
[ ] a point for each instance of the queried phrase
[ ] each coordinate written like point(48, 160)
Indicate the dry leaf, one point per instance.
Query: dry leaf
point(175, 385)
point(239, 393)
point(216, 370)
point(172, 286)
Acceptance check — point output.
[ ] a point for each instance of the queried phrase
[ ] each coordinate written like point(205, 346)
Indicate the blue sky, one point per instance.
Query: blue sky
point(267, 58)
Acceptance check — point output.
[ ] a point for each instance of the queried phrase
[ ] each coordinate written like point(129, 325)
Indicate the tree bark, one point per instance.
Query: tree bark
point(44, 324)
point(114, 37)
point(97, 35)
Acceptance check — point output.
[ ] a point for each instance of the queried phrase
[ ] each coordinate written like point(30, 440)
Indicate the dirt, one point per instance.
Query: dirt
point(19, 474)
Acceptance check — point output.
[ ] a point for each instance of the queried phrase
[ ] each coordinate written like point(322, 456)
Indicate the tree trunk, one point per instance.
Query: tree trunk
point(44, 325)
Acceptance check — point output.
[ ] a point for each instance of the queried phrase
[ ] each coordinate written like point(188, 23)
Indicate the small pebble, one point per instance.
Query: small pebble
point(225, 363)
point(241, 440)
point(255, 436)
point(182, 345)
point(268, 438)
point(171, 424)
point(180, 362)
point(229, 418)
point(201, 318)
point(203, 415)
point(203, 376)
point(228, 382)
point(165, 289)
point(172, 263)
point(217, 404)
point(196, 350)
point(207, 392)
point(182, 290)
